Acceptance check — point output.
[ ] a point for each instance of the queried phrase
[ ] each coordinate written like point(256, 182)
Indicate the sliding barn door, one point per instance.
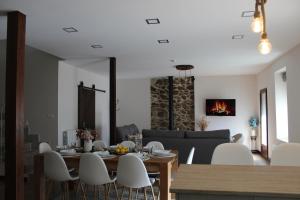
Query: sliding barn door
point(86, 108)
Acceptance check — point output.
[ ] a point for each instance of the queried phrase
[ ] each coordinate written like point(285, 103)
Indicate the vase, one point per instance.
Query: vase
point(78, 142)
point(88, 145)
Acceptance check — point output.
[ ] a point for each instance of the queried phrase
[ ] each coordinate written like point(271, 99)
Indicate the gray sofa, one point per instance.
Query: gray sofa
point(204, 142)
point(124, 131)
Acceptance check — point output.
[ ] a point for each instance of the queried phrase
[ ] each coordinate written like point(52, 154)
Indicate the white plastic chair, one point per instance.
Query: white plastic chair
point(286, 155)
point(129, 144)
point(155, 145)
point(56, 169)
point(132, 173)
point(93, 172)
point(44, 147)
point(191, 156)
point(99, 145)
point(232, 154)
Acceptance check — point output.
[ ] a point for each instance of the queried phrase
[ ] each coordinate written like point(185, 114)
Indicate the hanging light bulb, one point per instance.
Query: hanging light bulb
point(257, 23)
point(264, 46)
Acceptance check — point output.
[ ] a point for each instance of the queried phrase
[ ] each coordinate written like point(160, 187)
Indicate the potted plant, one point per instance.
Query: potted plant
point(253, 123)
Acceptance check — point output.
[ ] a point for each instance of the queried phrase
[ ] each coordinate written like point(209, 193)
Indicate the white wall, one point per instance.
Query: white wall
point(266, 79)
point(241, 88)
point(40, 92)
point(68, 79)
point(40, 102)
point(134, 102)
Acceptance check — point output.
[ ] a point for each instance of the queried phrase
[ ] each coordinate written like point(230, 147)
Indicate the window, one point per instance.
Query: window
point(281, 105)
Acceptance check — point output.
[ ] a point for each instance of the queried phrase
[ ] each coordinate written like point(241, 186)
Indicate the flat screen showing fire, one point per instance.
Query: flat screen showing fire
point(220, 107)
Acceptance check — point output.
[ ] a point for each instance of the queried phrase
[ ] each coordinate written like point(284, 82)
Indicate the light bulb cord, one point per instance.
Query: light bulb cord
point(256, 13)
point(264, 16)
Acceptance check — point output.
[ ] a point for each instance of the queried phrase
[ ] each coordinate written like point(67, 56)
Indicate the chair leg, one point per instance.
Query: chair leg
point(130, 193)
point(122, 193)
point(116, 190)
point(152, 192)
point(83, 191)
point(105, 191)
point(145, 193)
point(137, 193)
point(108, 191)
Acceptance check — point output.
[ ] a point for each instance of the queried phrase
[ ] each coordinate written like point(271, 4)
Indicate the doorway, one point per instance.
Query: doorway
point(264, 123)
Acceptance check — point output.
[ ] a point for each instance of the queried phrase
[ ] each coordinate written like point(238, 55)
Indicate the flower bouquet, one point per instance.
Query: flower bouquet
point(253, 122)
point(203, 123)
point(86, 138)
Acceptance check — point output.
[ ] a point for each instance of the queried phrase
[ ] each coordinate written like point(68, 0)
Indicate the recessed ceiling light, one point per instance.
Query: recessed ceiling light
point(70, 29)
point(163, 41)
point(153, 21)
point(247, 13)
point(238, 37)
point(96, 46)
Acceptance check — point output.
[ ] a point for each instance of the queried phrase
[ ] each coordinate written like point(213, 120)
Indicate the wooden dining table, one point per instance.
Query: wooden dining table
point(232, 182)
point(165, 166)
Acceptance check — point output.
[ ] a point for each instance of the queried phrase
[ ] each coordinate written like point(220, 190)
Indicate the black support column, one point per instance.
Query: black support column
point(171, 109)
point(112, 100)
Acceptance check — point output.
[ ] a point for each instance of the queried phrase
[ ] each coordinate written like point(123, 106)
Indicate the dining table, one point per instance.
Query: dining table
point(164, 165)
point(234, 182)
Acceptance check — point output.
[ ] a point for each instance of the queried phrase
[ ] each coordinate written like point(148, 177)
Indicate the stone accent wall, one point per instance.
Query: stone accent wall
point(183, 100)
point(160, 103)
point(183, 103)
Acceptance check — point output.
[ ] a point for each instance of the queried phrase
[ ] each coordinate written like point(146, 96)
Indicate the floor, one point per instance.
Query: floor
point(259, 160)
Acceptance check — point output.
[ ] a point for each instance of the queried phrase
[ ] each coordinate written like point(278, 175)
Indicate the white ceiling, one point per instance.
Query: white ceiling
point(199, 32)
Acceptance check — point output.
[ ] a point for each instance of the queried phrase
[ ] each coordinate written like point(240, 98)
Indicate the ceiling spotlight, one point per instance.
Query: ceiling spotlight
point(248, 13)
point(153, 21)
point(238, 37)
point(163, 41)
point(96, 46)
point(70, 29)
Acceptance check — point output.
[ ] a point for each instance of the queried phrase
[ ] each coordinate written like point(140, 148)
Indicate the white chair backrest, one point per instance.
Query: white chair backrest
point(92, 170)
point(155, 145)
point(131, 172)
point(191, 156)
point(99, 145)
point(44, 147)
point(128, 144)
point(286, 155)
point(55, 167)
point(232, 154)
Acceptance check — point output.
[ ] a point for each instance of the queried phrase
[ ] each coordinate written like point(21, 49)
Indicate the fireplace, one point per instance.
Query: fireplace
point(220, 107)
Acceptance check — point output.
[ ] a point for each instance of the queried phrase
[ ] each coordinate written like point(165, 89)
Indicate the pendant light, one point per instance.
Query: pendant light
point(259, 26)
point(257, 23)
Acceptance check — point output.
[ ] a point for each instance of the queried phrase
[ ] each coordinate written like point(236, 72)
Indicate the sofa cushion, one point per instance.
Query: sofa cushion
point(133, 129)
point(220, 134)
point(124, 131)
point(162, 134)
